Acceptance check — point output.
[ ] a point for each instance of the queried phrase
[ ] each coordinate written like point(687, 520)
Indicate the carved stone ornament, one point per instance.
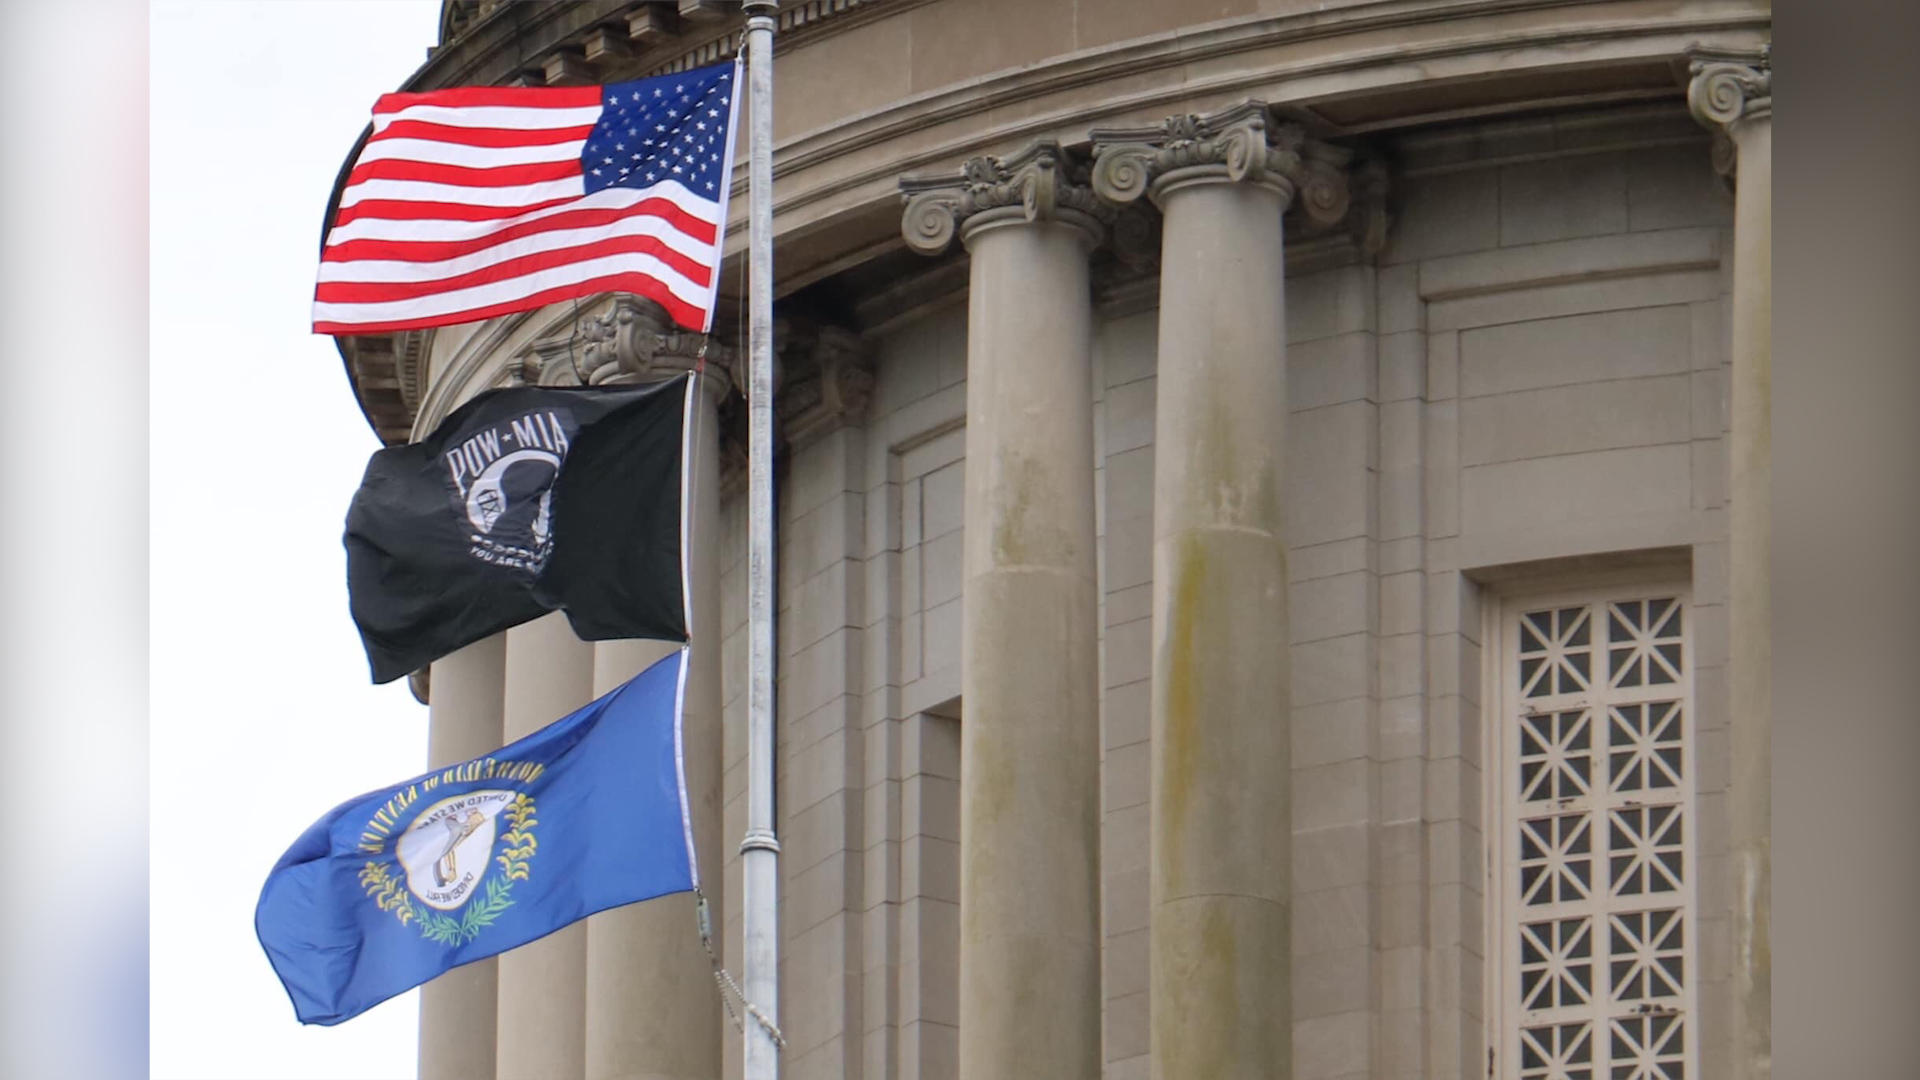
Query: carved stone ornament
point(1041, 182)
point(823, 380)
point(829, 381)
point(1728, 88)
point(1240, 144)
point(635, 341)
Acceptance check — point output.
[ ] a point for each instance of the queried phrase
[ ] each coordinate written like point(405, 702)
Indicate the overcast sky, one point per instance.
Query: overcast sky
point(263, 717)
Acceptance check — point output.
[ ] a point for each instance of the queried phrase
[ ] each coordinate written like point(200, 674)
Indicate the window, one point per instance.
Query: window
point(1593, 877)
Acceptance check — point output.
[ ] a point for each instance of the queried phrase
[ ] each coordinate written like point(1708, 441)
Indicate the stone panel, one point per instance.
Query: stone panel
point(1575, 349)
point(1561, 198)
point(1574, 419)
point(1608, 484)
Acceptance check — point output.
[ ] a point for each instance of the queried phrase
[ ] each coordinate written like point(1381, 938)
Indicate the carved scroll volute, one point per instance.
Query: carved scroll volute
point(1324, 194)
point(1244, 148)
point(1039, 187)
point(1122, 172)
point(1726, 89)
point(931, 221)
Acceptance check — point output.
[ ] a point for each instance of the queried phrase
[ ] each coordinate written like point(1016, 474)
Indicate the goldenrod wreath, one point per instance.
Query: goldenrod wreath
point(390, 893)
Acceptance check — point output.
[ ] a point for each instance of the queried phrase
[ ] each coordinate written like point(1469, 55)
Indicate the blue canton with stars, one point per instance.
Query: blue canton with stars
point(669, 127)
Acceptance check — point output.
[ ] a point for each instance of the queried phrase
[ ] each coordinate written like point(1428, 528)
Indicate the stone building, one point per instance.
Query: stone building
point(1176, 679)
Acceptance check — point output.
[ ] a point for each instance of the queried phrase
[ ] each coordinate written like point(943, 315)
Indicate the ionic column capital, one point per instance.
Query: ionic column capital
point(1039, 183)
point(631, 341)
point(1239, 144)
point(1727, 89)
point(637, 342)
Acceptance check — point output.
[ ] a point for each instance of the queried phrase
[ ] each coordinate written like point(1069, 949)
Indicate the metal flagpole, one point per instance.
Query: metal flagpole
point(759, 850)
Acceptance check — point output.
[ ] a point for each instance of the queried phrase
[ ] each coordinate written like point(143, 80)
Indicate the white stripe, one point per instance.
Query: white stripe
point(680, 766)
point(517, 117)
point(508, 289)
point(435, 152)
point(400, 270)
point(426, 191)
point(435, 229)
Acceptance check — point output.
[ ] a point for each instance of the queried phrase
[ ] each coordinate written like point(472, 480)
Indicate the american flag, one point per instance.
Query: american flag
point(470, 203)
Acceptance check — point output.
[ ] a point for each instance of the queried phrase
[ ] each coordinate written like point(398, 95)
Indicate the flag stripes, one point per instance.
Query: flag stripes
point(471, 203)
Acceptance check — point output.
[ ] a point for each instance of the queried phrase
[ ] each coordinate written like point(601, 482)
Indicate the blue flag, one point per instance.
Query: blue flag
point(401, 884)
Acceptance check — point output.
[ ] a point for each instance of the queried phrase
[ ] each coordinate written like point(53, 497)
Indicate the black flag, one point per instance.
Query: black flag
point(524, 501)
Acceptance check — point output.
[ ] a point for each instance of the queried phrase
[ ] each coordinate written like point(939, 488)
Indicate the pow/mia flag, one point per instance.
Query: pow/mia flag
point(523, 501)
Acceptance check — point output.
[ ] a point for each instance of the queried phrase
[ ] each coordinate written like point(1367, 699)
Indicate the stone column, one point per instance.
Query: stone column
point(653, 1011)
point(463, 722)
point(549, 673)
point(1030, 748)
point(1220, 877)
point(1733, 94)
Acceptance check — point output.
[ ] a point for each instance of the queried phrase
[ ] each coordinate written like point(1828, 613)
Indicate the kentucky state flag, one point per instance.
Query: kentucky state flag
point(523, 501)
point(399, 885)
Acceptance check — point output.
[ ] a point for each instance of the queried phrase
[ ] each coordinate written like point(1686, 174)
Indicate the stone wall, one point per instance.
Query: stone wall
point(1528, 385)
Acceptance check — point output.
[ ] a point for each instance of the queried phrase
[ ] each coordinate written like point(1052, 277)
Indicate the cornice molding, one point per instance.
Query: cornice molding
point(1011, 92)
point(1040, 182)
point(1193, 67)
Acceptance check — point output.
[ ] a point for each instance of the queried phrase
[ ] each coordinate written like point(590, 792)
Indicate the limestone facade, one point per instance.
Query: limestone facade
point(1484, 305)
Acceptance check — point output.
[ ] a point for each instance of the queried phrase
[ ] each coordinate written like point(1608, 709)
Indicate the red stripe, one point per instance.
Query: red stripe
point(488, 137)
point(378, 292)
point(436, 250)
point(464, 175)
point(536, 97)
point(404, 210)
point(685, 314)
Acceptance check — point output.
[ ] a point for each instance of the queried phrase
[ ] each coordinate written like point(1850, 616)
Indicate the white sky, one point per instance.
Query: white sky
point(263, 717)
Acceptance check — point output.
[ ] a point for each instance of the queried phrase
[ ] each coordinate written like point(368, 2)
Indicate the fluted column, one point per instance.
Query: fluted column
point(1220, 876)
point(1030, 750)
point(653, 1011)
point(549, 673)
point(463, 722)
point(1733, 94)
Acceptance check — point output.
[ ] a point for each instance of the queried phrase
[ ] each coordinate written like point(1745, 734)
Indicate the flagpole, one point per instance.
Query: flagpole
point(759, 850)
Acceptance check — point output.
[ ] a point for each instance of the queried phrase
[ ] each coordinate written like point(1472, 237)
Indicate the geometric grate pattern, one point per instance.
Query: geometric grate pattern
point(1596, 767)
